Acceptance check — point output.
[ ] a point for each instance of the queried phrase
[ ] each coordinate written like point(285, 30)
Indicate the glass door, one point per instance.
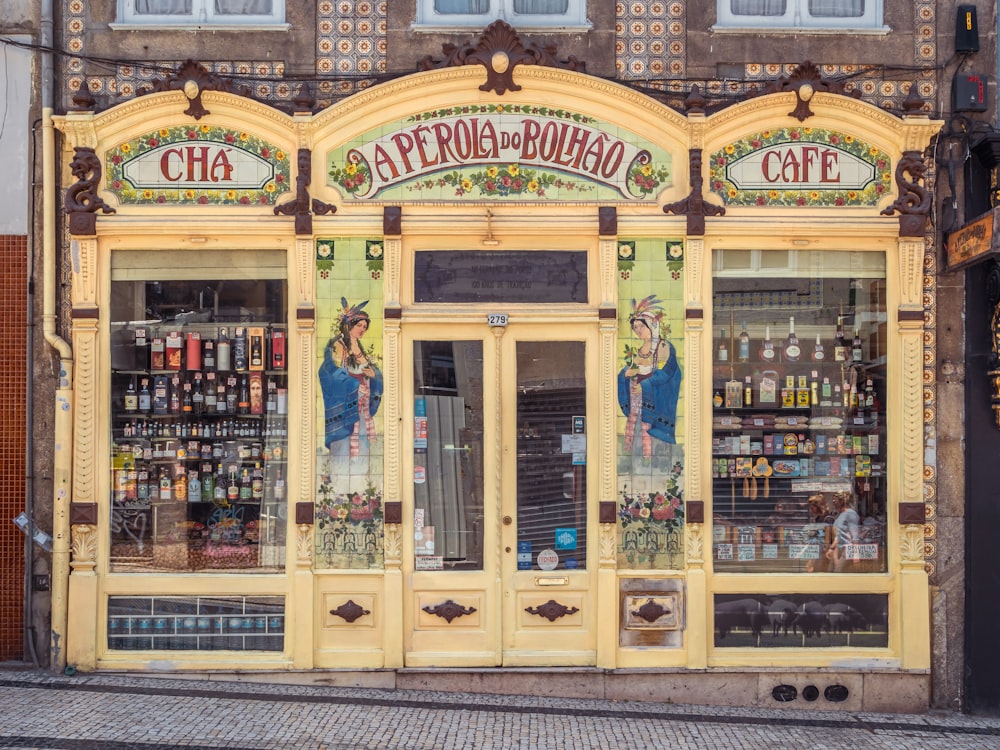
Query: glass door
point(499, 499)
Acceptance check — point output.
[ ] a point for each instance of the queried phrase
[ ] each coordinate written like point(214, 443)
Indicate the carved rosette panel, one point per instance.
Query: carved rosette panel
point(85, 398)
point(694, 543)
point(912, 417)
point(608, 541)
point(911, 546)
point(84, 548)
point(304, 545)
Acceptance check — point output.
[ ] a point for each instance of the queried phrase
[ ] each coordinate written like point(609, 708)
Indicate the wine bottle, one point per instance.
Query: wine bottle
point(279, 487)
point(243, 396)
point(197, 395)
point(723, 351)
point(792, 349)
point(233, 486)
point(257, 483)
point(246, 485)
point(840, 345)
point(818, 354)
point(857, 353)
point(131, 397)
point(767, 346)
point(743, 348)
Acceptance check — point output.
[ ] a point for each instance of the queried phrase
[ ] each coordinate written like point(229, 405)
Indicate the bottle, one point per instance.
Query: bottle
point(221, 398)
point(165, 486)
point(232, 486)
point(840, 345)
point(145, 397)
point(175, 394)
point(857, 353)
point(767, 346)
point(180, 484)
point(256, 352)
point(231, 395)
point(207, 482)
point(243, 397)
point(222, 351)
point(279, 487)
point(257, 483)
point(197, 395)
point(246, 485)
point(792, 349)
point(748, 391)
point(723, 351)
point(743, 348)
point(131, 398)
point(193, 486)
point(717, 398)
point(221, 487)
point(818, 354)
point(208, 354)
point(271, 404)
point(187, 400)
point(211, 393)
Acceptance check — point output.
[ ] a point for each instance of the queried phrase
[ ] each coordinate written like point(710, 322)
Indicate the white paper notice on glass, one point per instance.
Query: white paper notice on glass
point(577, 445)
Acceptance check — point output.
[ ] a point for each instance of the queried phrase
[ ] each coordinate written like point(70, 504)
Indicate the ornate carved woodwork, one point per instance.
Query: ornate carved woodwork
point(500, 50)
point(651, 611)
point(694, 206)
point(350, 611)
point(914, 201)
point(82, 201)
point(551, 610)
point(806, 81)
point(193, 78)
point(449, 610)
point(300, 205)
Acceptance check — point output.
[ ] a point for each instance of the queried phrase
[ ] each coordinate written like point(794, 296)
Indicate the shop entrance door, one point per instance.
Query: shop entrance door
point(501, 565)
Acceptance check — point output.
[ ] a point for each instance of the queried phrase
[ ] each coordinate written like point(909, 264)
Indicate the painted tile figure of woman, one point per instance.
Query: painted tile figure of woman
point(649, 384)
point(351, 384)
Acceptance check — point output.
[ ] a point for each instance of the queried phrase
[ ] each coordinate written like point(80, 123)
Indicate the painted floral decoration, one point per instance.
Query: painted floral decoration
point(359, 508)
point(324, 254)
point(644, 179)
point(353, 177)
point(664, 507)
point(502, 180)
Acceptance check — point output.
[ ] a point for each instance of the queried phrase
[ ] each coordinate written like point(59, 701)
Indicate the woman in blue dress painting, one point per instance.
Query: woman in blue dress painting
point(649, 384)
point(352, 389)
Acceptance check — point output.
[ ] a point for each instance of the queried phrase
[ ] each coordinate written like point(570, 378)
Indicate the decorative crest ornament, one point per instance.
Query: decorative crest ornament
point(651, 611)
point(551, 610)
point(300, 205)
point(193, 78)
point(449, 610)
point(500, 50)
point(806, 81)
point(82, 200)
point(914, 201)
point(350, 611)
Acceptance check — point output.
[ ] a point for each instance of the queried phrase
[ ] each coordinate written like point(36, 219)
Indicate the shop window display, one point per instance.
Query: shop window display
point(199, 405)
point(799, 388)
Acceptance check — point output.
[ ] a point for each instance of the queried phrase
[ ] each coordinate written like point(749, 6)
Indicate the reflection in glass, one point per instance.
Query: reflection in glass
point(551, 454)
point(448, 454)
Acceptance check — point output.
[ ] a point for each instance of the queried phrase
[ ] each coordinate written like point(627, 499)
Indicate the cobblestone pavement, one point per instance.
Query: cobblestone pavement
point(42, 711)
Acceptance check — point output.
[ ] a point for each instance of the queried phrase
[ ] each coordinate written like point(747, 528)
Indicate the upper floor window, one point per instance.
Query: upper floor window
point(809, 14)
point(521, 14)
point(188, 12)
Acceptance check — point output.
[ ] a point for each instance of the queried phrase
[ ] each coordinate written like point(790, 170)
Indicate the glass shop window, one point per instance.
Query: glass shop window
point(798, 412)
point(199, 412)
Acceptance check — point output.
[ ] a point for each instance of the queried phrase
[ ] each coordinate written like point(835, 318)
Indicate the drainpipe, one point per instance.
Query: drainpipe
point(62, 455)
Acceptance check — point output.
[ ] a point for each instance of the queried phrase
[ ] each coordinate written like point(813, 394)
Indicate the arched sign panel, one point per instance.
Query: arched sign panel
point(497, 152)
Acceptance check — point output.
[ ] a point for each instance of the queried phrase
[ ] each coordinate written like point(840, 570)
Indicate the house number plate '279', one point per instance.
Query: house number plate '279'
point(497, 319)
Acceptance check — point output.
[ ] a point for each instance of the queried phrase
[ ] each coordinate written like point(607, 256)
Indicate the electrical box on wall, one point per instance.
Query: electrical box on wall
point(966, 29)
point(968, 93)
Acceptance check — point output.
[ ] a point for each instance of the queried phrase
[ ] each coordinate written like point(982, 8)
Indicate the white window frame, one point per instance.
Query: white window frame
point(202, 14)
point(798, 18)
point(574, 19)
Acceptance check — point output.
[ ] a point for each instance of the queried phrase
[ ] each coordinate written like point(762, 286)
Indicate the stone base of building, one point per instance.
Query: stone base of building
point(821, 689)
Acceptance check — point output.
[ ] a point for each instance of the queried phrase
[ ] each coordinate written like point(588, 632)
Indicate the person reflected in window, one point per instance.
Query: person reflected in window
point(649, 384)
point(846, 533)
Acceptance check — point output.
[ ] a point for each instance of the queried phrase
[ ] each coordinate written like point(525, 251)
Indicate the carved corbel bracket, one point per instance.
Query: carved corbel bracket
point(300, 205)
point(694, 206)
point(914, 201)
point(500, 50)
point(82, 201)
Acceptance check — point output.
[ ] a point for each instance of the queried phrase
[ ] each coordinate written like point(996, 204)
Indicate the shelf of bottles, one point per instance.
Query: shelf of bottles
point(798, 437)
point(199, 440)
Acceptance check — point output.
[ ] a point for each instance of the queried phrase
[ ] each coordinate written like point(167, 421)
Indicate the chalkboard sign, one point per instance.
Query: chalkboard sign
point(510, 276)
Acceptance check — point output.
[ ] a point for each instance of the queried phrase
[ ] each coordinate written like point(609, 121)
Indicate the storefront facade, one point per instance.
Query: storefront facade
point(535, 372)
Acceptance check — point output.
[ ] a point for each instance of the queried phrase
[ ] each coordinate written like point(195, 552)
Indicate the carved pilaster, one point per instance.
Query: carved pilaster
point(608, 542)
point(911, 404)
point(608, 254)
point(608, 399)
point(392, 548)
point(305, 271)
point(304, 545)
point(84, 548)
point(393, 408)
point(392, 266)
point(305, 328)
point(694, 267)
point(911, 546)
point(911, 267)
point(83, 258)
point(693, 406)
point(85, 411)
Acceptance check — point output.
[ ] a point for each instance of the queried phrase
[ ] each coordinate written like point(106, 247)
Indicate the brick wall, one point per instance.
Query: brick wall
point(13, 321)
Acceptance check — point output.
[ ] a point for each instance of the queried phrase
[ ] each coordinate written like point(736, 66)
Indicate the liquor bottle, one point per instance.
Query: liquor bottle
point(718, 399)
point(792, 349)
point(220, 488)
point(240, 349)
point(231, 395)
point(131, 398)
point(271, 404)
point(197, 395)
point(208, 354)
point(207, 482)
point(232, 485)
point(175, 394)
point(723, 350)
point(257, 351)
point(193, 486)
point(857, 353)
point(743, 348)
point(187, 400)
point(246, 485)
point(243, 396)
point(145, 397)
point(818, 354)
point(165, 486)
point(211, 393)
point(257, 483)
point(840, 345)
point(767, 346)
point(748, 391)
point(279, 487)
point(223, 349)
point(180, 484)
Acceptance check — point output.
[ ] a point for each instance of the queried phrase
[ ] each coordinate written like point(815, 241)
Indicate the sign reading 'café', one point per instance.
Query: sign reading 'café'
point(519, 152)
point(800, 167)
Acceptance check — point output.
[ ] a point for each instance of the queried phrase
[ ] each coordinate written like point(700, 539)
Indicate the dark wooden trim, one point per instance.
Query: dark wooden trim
point(305, 313)
point(694, 313)
point(909, 315)
point(607, 313)
point(694, 511)
point(910, 513)
point(83, 513)
point(393, 511)
point(608, 512)
point(392, 313)
point(305, 513)
point(85, 313)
